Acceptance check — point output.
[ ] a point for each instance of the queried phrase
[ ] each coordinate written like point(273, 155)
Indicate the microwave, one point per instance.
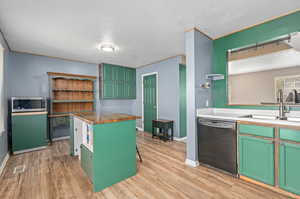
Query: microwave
point(28, 104)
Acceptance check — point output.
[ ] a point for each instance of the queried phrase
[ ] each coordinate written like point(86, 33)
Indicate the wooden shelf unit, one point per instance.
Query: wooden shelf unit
point(71, 93)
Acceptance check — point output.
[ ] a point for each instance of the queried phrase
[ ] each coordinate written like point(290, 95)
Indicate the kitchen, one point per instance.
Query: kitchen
point(79, 117)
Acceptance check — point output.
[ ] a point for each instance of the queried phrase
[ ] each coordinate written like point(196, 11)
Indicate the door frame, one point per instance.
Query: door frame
point(143, 76)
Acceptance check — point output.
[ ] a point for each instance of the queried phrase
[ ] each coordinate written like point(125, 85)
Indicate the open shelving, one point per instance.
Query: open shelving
point(69, 93)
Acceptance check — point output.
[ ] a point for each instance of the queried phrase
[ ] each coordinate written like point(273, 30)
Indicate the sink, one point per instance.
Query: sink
point(263, 117)
point(270, 117)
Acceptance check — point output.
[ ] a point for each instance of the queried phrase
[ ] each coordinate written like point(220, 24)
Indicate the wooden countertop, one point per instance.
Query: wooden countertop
point(104, 117)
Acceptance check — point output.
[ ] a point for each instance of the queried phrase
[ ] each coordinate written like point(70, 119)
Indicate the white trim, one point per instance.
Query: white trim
point(61, 138)
point(144, 75)
point(183, 139)
point(191, 163)
point(29, 150)
point(4, 163)
point(139, 129)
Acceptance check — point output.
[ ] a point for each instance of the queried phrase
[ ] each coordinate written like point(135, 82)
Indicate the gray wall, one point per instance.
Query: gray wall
point(256, 87)
point(198, 49)
point(168, 90)
point(3, 105)
point(28, 77)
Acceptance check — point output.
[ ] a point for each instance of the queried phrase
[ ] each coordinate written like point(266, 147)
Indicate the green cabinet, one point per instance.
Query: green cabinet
point(117, 82)
point(86, 160)
point(256, 158)
point(29, 131)
point(289, 164)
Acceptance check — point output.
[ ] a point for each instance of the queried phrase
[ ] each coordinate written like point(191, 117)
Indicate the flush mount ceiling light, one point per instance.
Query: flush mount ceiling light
point(107, 47)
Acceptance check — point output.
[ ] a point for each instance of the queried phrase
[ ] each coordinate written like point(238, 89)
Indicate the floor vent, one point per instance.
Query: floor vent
point(19, 169)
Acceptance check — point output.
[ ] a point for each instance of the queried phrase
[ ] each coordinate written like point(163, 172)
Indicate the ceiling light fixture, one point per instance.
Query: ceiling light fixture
point(107, 47)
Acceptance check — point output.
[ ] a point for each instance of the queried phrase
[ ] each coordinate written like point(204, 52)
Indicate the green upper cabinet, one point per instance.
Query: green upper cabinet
point(117, 82)
point(289, 162)
point(256, 158)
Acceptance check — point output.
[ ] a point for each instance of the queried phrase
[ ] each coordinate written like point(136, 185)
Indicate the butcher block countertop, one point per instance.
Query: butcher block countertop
point(104, 117)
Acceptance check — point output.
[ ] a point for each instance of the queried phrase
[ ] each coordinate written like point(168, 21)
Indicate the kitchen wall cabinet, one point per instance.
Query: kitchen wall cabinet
point(117, 82)
point(256, 158)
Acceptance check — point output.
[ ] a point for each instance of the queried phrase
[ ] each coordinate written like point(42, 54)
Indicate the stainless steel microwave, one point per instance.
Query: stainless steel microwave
point(28, 104)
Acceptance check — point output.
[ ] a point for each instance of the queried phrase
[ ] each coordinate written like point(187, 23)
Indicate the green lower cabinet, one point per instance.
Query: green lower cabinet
point(289, 174)
point(87, 161)
point(256, 159)
point(28, 131)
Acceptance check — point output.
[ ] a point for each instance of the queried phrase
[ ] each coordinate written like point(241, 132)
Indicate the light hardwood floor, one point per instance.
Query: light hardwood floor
point(52, 173)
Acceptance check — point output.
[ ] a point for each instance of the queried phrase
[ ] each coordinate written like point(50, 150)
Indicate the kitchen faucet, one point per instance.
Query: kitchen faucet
point(283, 109)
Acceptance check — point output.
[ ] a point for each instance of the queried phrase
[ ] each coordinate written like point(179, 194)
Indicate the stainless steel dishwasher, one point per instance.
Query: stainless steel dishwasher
point(217, 144)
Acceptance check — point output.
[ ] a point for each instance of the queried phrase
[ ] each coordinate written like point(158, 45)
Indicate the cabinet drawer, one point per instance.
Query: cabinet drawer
point(256, 130)
point(290, 134)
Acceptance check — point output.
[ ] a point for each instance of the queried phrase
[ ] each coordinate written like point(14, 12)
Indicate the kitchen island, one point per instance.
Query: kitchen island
point(106, 146)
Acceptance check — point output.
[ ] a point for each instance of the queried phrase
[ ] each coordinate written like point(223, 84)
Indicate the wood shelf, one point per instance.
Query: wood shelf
point(71, 101)
point(70, 90)
point(69, 94)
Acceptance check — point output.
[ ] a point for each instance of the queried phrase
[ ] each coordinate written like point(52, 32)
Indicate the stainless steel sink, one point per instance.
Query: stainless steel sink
point(270, 117)
point(263, 117)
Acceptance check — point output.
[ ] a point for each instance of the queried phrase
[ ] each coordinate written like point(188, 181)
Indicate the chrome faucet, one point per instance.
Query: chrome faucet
point(283, 109)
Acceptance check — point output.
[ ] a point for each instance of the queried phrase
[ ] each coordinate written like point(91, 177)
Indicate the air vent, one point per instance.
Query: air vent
point(19, 169)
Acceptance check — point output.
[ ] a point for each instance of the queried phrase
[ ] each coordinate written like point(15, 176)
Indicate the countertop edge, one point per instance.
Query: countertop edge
point(261, 121)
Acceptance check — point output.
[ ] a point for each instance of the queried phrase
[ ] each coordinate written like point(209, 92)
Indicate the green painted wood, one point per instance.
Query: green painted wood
point(107, 72)
point(182, 103)
point(28, 131)
point(118, 82)
point(289, 134)
point(114, 157)
point(71, 140)
point(257, 130)
point(256, 159)
point(260, 33)
point(150, 109)
point(87, 161)
point(289, 161)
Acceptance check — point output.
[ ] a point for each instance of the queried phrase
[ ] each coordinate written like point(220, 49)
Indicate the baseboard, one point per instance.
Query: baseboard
point(183, 139)
point(139, 129)
point(4, 163)
point(191, 163)
point(29, 150)
point(61, 138)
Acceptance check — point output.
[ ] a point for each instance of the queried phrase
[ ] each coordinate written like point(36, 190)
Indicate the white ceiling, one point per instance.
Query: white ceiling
point(272, 61)
point(144, 31)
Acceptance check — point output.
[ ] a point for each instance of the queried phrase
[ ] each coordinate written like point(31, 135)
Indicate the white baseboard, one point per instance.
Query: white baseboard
point(2, 166)
point(140, 129)
point(191, 163)
point(183, 139)
point(61, 138)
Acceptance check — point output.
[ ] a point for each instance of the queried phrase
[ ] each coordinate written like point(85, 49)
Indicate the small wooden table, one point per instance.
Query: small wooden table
point(163, 126)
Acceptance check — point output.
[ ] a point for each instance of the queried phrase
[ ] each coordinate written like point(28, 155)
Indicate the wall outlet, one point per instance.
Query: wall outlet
point(207, 103)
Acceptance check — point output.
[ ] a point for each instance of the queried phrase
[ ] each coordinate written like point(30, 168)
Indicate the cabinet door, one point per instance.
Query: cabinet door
point(108, 89)
point(28, 131)
point(107, 72)
point(87, 161)
point(256, 159)
point(289, 174)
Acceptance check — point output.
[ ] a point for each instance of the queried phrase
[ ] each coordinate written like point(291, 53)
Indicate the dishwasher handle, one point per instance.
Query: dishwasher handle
point(217, 124)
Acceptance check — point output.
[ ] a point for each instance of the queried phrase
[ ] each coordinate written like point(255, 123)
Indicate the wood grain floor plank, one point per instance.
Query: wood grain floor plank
point(53, 174)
